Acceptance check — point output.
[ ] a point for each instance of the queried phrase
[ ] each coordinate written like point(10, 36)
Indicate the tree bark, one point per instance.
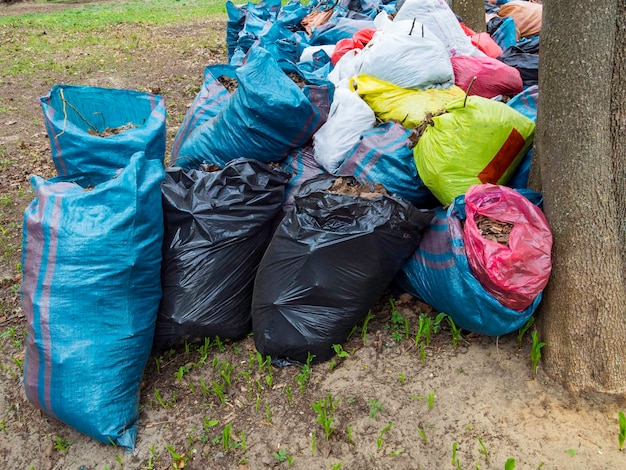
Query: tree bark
point(580, 145)
point(472, 12)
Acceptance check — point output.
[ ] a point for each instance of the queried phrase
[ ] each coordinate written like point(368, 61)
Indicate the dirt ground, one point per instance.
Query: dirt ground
point(471, 405)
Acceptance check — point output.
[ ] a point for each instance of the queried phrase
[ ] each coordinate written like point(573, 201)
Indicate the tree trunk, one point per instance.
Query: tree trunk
point(472, 12)
point(581, 149)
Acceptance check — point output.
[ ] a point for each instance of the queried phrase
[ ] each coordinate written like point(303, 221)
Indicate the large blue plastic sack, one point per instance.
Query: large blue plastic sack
point(282, 43)
point(74, 115)
point(266, 117)
point(384, 155)
point(337, 29)
point(502, 31)
point(357, 9)
point(439, 274)
point(268, 24)
point(91, 260)
point(207, 104)
point(526, 103)
point(246, 21)
point(302, 166)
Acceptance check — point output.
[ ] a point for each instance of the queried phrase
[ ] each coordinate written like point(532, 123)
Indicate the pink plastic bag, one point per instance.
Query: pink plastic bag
point(493, 77)
point(513, 274)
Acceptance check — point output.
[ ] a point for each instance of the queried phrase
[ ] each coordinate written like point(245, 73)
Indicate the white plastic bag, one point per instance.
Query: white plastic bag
point(406, 54)
point(307, 52)
point(346, 67)
point(441, 21)
point(348, 118)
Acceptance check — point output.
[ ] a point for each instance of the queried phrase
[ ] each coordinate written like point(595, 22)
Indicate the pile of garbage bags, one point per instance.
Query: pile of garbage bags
point(345, 149)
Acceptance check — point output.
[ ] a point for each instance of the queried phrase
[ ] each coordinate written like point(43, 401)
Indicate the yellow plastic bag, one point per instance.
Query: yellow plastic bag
point(406, 106)
point(476, 141)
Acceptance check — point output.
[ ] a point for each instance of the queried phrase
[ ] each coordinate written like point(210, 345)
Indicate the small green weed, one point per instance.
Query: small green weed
point(226, 437)
point(455, 460)
point(379, 441)
point(283, 456)
point(325, 409)
point(151, 460)
point(366, 321)
point(457, 337)
point(483, 449)
point(164, 404)
point(535, 352)
point(522, 331)
point(622, 429)
point(338, 348)
point(375, 407)
point(305, 373)
point(61, 444)
point(180, 460)
point(399, 324)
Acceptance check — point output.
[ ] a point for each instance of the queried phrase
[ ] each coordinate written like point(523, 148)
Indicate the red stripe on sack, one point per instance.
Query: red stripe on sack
point(46, 338)
point(511, 148)
point(32, 261)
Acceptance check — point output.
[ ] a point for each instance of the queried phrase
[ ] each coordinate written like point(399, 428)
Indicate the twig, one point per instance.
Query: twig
point(469, 87)
point(67, 103)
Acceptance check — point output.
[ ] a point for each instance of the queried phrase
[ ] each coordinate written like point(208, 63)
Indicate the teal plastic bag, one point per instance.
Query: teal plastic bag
point(265, 118)
point(94, 128)
point(91, 287)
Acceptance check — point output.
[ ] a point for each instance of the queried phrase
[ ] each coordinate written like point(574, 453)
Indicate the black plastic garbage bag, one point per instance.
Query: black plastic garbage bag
point(526, 62)
point(330, 260)
point(217, 227)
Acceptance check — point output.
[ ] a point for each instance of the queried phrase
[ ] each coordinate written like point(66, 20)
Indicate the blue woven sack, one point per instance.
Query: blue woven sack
point(384, 155)
point(93, 128)
point(265, 118)
point(439, 274)
point(526, 103)
point(207, 104)
point(91, 288)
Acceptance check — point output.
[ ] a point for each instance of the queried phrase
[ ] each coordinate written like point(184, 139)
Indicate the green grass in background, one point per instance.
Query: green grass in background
point(81, 38)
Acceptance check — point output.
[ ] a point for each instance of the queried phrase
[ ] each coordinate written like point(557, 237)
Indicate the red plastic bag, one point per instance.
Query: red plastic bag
point(358, 41)
point(482, 41)
point(515, 272)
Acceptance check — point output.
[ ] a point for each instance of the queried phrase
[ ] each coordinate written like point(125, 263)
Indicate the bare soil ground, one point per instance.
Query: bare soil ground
point(469, 405)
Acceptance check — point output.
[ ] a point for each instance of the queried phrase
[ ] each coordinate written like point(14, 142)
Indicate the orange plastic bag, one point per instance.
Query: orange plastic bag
point(527, 17)
point(514, 273)
point(317, 17)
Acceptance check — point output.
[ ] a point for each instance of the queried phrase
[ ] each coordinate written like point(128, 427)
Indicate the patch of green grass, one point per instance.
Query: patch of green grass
point(92, 37)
